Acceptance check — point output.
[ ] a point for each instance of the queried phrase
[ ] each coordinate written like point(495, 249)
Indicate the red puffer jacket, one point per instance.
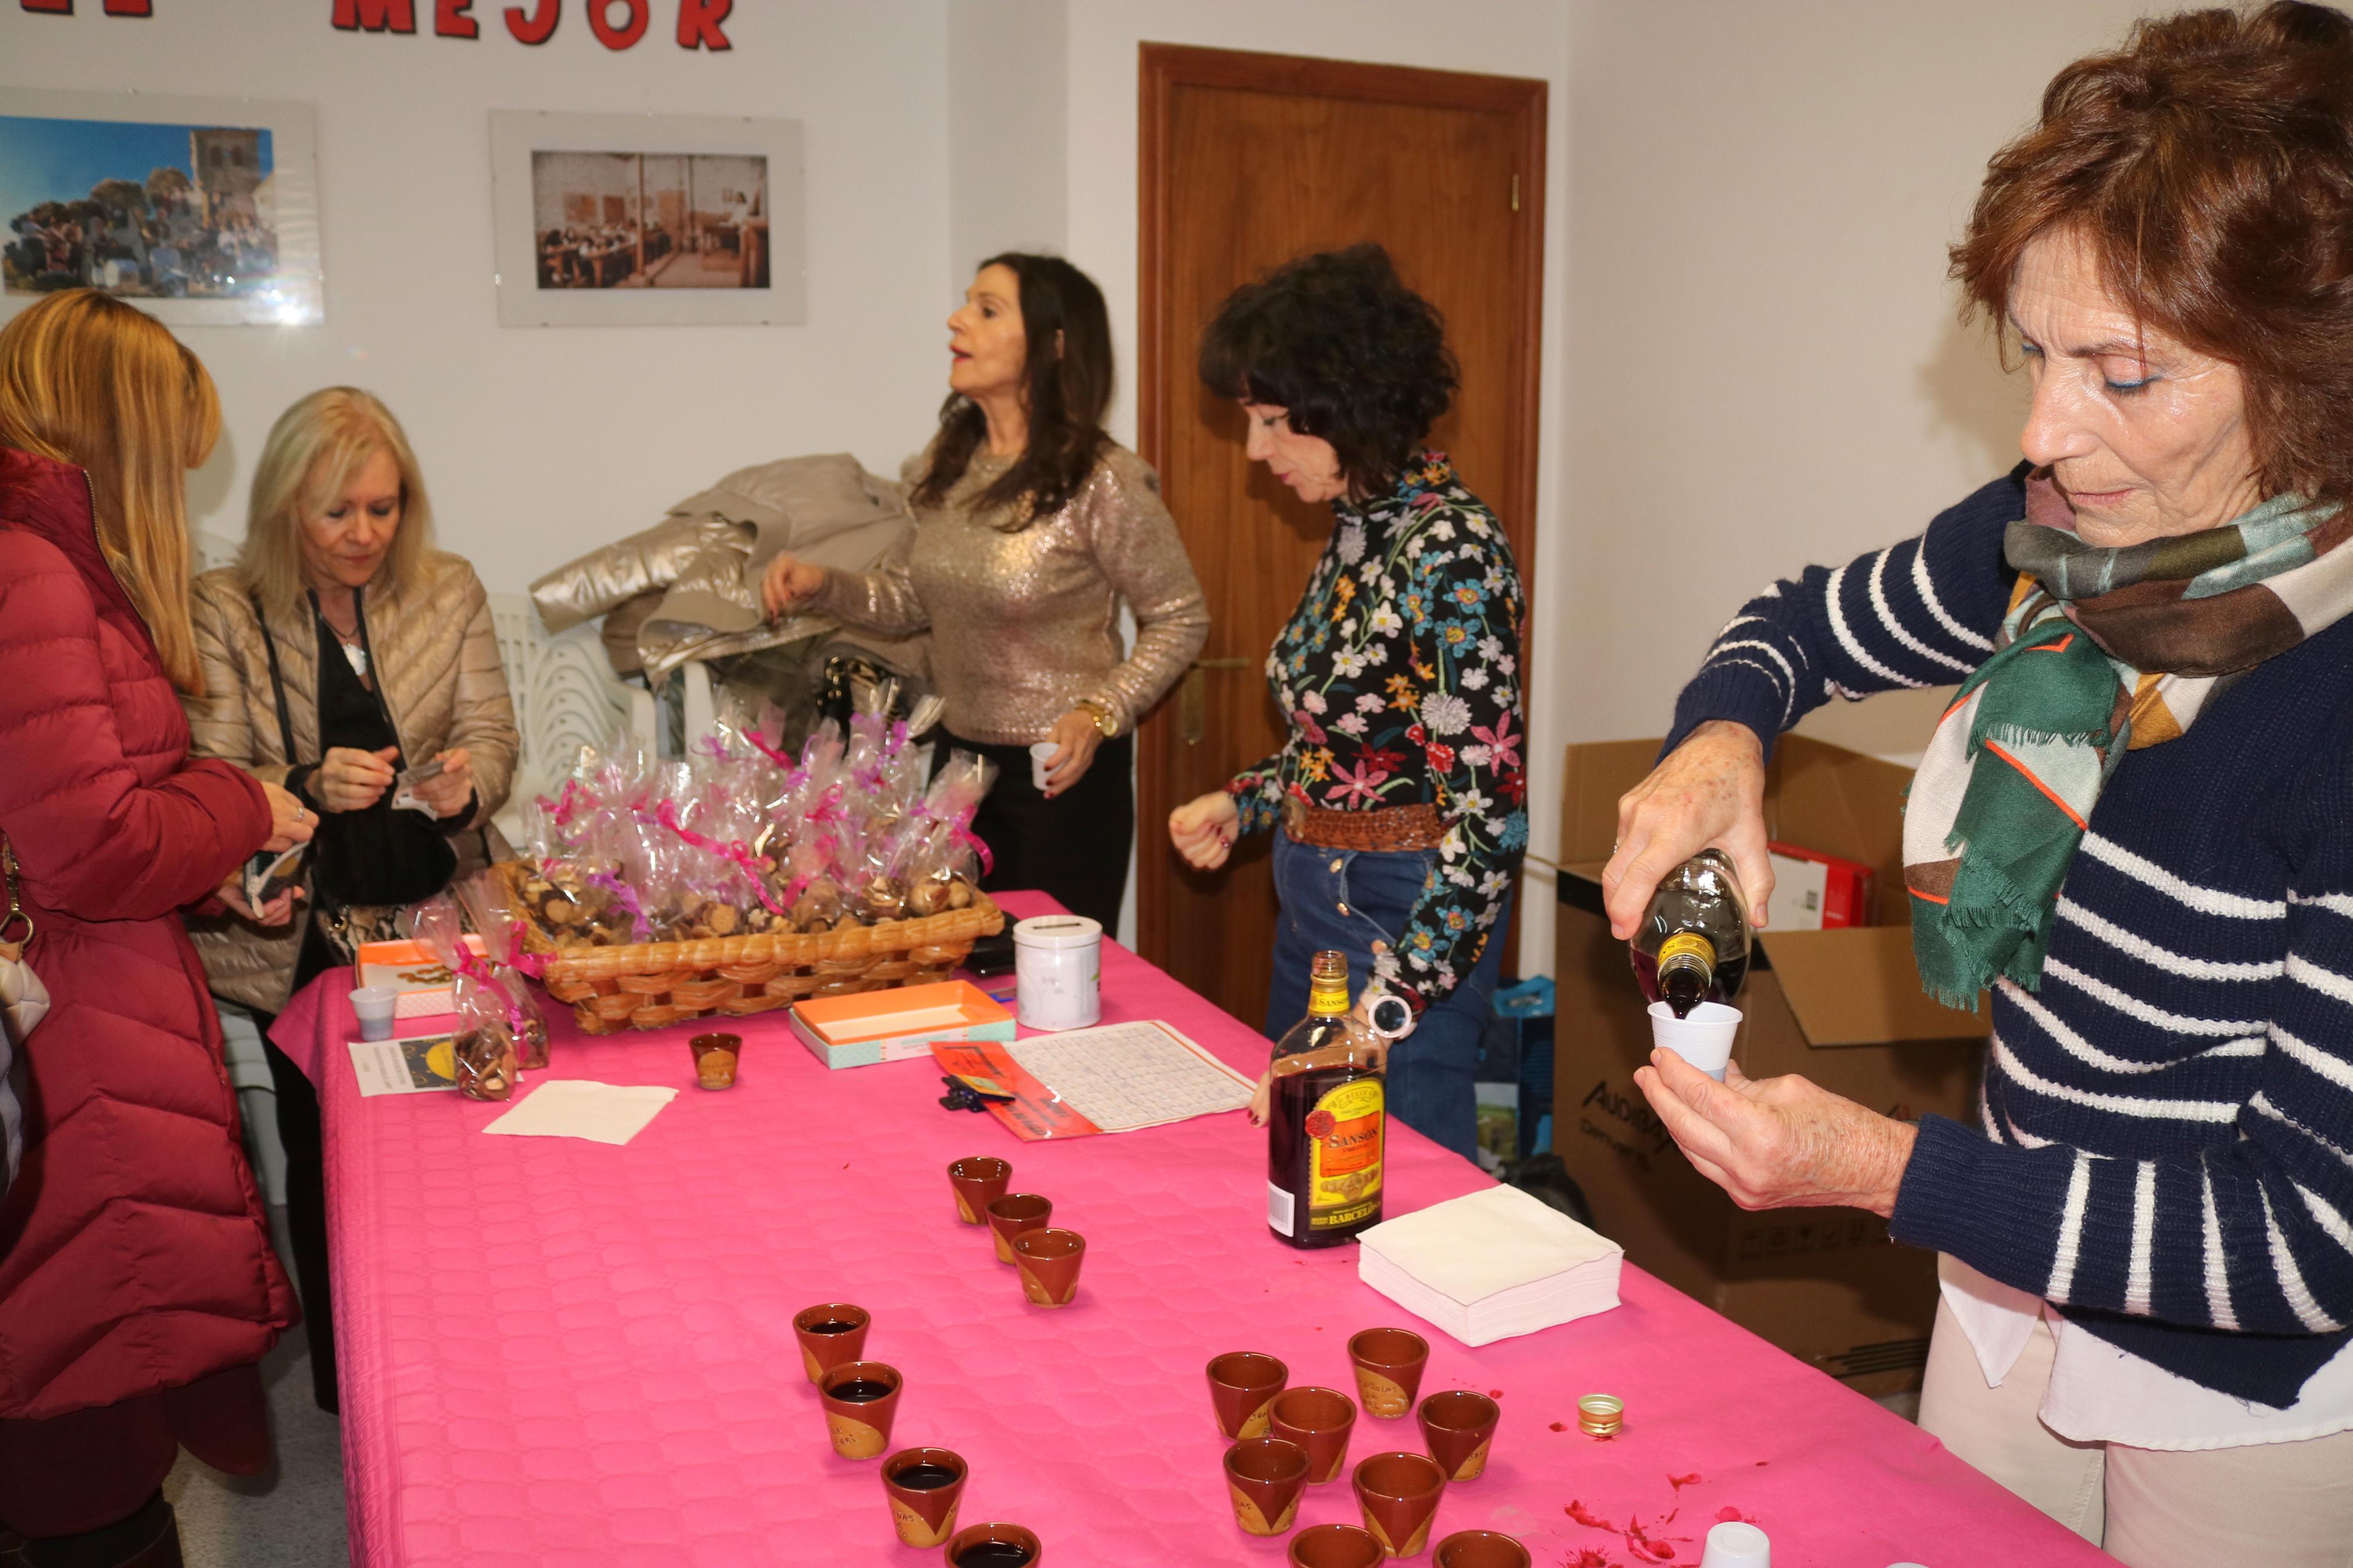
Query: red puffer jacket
point(133, 1251)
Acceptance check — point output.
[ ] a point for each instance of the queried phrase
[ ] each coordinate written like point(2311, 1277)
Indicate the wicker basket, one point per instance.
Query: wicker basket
point(651, 985)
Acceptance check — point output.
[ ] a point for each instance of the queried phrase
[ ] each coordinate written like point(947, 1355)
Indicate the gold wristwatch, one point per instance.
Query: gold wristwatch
point(1105, 719)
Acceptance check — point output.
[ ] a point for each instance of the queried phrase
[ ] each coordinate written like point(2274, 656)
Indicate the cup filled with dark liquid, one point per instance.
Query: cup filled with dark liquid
point(861, 1397)
point(1014, 1213)
point(714, 1059)
point(830, 1335)
point(924, 1486)
point(978, 1181)
point(995, 1546)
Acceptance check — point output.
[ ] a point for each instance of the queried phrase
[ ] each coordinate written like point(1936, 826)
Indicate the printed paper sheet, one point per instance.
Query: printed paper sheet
point(1115, 1078)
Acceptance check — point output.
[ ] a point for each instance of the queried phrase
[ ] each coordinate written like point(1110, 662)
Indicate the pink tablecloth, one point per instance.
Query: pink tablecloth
point(562, 1353)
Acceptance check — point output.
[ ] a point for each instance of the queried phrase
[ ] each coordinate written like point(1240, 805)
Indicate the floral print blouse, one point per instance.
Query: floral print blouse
point(1400, 672)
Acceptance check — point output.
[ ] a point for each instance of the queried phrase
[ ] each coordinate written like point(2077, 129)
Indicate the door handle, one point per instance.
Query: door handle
point(1193, 699)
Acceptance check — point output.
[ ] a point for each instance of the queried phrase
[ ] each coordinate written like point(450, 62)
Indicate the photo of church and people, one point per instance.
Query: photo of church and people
point(650, 220)
point(136, 209)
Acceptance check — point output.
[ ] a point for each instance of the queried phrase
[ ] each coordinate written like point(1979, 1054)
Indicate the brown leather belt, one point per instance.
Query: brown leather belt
point(1397, 827)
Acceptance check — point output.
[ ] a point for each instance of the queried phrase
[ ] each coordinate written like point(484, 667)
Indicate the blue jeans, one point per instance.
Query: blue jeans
point(1429, 1071)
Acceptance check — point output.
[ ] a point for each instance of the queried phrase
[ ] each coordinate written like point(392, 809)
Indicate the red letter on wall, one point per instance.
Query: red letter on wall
point(130, 7)
point(376, 15)
point(600, 22)
point(450, 21)
point(698, 24)
point(537, 27)
point(53, 7)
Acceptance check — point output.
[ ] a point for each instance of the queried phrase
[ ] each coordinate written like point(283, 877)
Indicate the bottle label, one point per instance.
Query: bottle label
point(1688, 945)
point(1280, 1208)
point(1343, 1167)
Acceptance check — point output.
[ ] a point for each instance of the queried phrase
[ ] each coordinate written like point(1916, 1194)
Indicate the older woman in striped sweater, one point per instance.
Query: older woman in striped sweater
point(2135, 825)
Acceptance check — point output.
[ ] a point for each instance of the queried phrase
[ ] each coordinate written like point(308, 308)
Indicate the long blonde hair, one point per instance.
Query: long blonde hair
point(312, 451)
point(87, 380)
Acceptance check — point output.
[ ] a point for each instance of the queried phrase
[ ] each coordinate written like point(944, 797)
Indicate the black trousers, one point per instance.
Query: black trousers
point(1075, 846)
point(306, 1180)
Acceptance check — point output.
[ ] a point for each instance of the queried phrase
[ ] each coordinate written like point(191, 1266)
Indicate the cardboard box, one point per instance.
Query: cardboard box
point(894, 1026)
point(426, 988)
point(1843, 1007)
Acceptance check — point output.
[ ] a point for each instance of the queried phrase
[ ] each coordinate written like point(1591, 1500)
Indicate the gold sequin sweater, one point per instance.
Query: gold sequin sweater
point(1026, 623)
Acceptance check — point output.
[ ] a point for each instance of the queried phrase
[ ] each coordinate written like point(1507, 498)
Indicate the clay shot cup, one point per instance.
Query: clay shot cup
point(715, 1057)
point(1266, 1477)
point(1398, 1494)
point(1459, 1427)
point(1320, 1421)
point(1014, 1213)
point(1242, 1384)
point(861, 1398)
point(1335, 1546)
point(830, 1335)
point(1048, 1261)
point(995, 1546)
point(978, 1181)
point(924, 1486)
point(1388, 1363)
point(1481, 1549)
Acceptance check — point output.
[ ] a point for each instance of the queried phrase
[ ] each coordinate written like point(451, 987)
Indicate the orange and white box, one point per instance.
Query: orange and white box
point(423, 984)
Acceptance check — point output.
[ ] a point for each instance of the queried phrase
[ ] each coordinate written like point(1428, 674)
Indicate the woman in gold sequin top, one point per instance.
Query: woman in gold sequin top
point(1032, 525)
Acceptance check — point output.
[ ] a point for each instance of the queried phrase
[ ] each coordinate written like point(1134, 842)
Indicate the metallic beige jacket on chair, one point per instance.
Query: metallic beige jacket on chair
point(436, 657)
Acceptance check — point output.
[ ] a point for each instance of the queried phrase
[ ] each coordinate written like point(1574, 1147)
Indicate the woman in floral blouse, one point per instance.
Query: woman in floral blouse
point(1398, 800)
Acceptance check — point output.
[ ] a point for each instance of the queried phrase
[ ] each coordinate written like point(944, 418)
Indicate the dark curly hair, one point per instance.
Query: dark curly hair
point(1357, 359)
point(1064, 394)
point(2209, 164)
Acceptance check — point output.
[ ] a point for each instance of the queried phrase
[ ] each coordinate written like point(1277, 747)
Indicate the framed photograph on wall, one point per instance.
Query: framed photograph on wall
point(202, 211)
point(645, 220)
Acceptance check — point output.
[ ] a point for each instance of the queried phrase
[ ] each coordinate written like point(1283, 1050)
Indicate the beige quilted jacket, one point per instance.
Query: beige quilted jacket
point(436, 653)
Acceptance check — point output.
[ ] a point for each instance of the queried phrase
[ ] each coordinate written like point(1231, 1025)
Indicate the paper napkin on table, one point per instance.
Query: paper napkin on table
point(579, 1108)
point(1491, 1265)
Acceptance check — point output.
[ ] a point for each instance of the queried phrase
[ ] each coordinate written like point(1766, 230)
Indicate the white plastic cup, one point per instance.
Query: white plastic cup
point(374, 1003)
point(1733, 1545)
point(1703, 1040)
point(1058, 971)
point(1039, 756)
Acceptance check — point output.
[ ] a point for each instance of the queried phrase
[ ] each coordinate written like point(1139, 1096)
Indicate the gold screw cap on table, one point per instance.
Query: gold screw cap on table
point(1600, 1415)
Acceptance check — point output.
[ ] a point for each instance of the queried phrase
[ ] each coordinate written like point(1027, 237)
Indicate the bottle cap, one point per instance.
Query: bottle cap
point(1600, 1415)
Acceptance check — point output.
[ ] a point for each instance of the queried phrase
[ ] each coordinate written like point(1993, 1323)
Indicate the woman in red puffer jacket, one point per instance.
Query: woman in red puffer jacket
point(138, 1289)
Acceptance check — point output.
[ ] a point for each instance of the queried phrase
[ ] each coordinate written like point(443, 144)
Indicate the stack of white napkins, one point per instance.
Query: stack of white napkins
point(1489, 1266)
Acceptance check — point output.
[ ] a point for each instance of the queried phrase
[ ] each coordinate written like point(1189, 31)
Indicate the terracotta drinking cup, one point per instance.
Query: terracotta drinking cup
point(861, 1398)
point(924, 1485)
point(1266, 1477)
point(1335, 1546)
point(715, 1057)
point(1481, 1549)
point(1319, 1420)
point(1388, 1363)
point(995, 1546)
point(1458, 1425)
point(1242, 1384)
point(1048, 1261)
point(1014, 1213)
point(978, 1181)
point(830, 1335)
point(1399, 1493)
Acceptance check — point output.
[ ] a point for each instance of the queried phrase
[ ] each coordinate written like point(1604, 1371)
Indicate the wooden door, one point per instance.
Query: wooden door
point(1249, 160)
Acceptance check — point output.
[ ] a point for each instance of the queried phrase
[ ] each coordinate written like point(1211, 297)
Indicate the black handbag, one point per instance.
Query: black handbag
point(373, 858)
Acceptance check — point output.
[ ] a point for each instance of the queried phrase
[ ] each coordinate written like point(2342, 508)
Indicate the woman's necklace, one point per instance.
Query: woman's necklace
point(354, 649)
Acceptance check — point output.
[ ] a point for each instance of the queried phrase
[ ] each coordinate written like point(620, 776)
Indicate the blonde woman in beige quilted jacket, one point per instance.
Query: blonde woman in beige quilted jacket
point(341, 622)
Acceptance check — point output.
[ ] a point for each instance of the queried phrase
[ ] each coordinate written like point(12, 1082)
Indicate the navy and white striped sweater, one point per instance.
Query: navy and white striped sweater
point(2166, 1139)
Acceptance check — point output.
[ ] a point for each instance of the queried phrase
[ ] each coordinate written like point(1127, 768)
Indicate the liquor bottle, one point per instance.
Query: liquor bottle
point(1693, 944)
point(1324, 1127)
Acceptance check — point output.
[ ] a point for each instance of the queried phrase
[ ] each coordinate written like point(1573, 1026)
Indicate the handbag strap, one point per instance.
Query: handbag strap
point(277, 682)
point(14, 914)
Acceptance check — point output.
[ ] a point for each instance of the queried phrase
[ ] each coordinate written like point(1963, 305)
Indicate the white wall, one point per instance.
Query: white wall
point(1508, 37)
point(540, 443)
point(1008, 126)
point(1765, 364)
